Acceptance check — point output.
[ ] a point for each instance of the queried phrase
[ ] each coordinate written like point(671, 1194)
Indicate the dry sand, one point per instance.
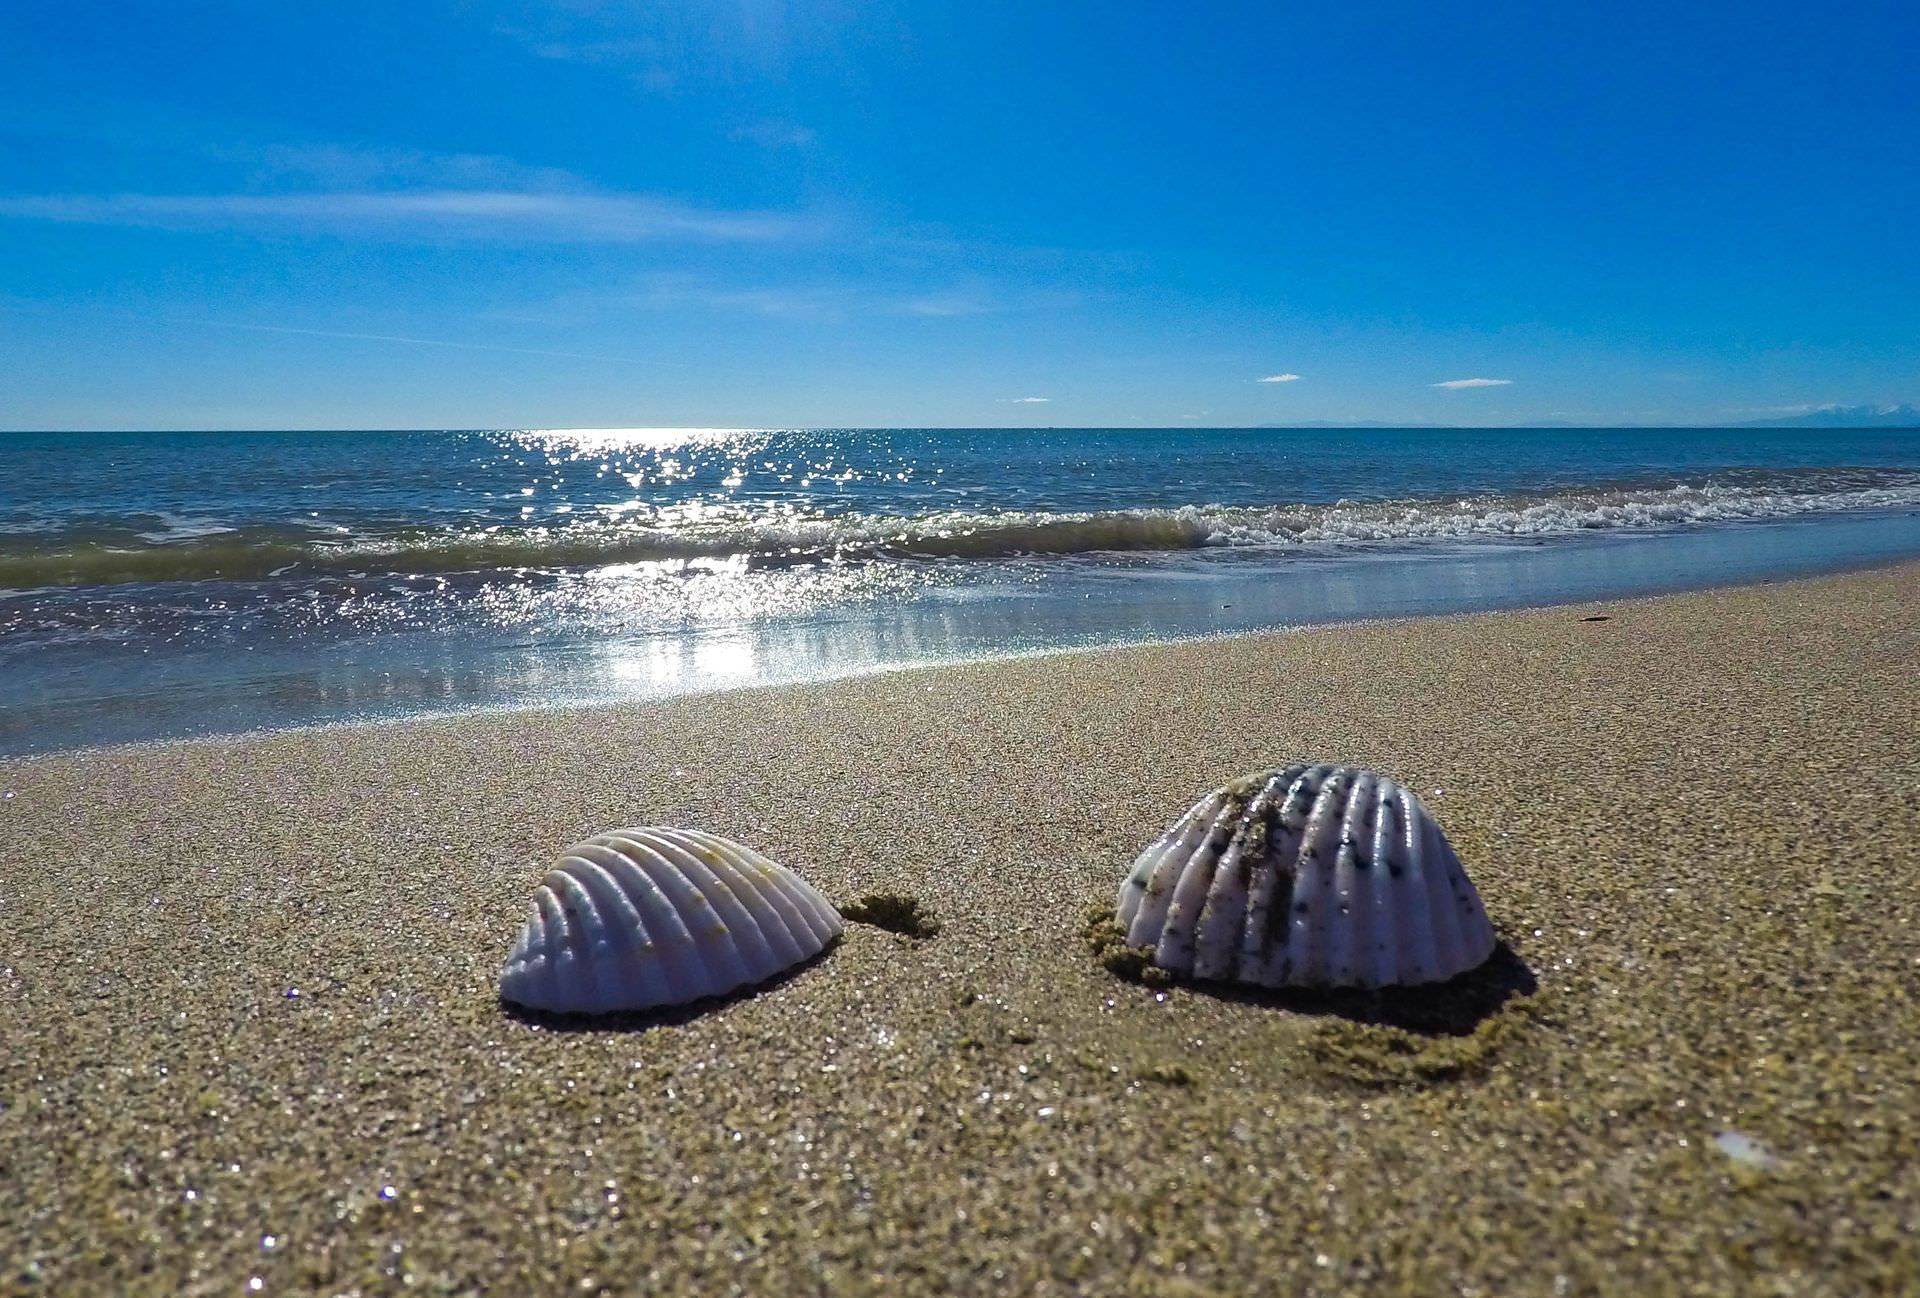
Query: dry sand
point(248, 1027)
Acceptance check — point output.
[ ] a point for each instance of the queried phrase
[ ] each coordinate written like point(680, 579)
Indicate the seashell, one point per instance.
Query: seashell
point(638, 918)
point(1315, 876)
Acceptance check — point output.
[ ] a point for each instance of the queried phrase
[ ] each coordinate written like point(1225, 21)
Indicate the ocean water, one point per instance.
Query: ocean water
point(160, 584)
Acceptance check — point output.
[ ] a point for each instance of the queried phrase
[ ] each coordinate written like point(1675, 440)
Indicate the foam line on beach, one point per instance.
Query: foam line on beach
point(763, 536)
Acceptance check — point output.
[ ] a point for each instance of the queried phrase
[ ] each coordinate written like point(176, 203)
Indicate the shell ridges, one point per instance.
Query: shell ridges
point(1317, 875)
point(639, 918)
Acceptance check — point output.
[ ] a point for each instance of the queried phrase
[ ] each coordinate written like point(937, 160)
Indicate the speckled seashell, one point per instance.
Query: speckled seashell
point(639, 918)
point(1315, 876)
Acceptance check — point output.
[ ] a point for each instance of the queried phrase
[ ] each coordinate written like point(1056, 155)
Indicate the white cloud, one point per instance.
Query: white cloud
point(775, 133)
point(1279, 378)
point(1030, 401)
point(1456, 384)
point(498, 214)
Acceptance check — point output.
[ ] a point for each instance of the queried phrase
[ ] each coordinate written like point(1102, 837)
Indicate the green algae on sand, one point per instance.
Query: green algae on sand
point(895, 912)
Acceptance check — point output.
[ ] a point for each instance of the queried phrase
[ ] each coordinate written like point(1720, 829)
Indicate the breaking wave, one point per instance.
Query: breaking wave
point(772, 538)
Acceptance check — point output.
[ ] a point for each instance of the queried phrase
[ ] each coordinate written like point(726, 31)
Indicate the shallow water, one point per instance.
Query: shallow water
point(156, 584)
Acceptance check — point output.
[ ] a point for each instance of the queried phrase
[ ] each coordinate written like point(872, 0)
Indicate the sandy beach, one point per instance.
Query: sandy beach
point(251, 1039)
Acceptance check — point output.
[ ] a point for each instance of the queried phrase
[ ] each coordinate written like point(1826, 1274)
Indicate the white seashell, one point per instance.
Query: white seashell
point(638, 918)
point(1315, 876)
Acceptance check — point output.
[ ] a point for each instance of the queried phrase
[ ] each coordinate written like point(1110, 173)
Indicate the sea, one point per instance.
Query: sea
point(164, 584)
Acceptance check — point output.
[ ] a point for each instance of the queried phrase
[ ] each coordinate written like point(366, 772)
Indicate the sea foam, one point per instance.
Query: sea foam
point(782, 536)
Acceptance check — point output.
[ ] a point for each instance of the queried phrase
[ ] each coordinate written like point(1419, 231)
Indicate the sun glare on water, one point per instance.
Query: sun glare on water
point(613, 439)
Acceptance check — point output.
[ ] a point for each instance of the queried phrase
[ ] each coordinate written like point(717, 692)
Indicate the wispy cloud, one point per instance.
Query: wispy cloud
point(491, 214)
point(1456, 384)
point(1279, 378)
point(780, 302)
point(646, 58)
point(330, 166)
point(1030, 401)
point(422, 342)
point(666, 48)
point(774, 133)
point(841, 300)
point(941, 307)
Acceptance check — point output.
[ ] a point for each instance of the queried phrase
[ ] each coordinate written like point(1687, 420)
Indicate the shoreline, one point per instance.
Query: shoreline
point(257, 1003)
point(1264, 598)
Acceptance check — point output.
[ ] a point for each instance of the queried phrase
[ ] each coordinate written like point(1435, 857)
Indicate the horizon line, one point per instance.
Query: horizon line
point(1323, 426)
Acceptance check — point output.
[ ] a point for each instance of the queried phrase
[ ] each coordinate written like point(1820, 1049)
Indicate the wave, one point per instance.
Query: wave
point(785, 538)
point(178, 527)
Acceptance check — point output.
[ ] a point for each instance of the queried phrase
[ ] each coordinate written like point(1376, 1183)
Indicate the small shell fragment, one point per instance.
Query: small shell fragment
point(1313, 876)
point(1745, 1150)
point(639, 918)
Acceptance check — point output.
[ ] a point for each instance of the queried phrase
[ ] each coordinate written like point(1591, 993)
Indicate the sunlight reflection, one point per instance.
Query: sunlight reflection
point(671, 665)
point(598, 440)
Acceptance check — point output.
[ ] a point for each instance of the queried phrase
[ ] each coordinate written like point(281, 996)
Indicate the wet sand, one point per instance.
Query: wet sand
point(250, 1032)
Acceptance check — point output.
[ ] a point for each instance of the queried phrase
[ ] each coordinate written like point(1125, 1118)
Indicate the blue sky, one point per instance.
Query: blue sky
point(752, 213)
